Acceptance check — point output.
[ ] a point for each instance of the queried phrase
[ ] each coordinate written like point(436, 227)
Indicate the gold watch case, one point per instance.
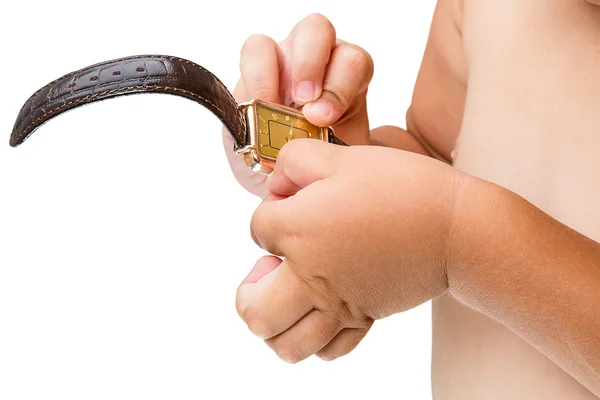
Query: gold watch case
point(270, 127)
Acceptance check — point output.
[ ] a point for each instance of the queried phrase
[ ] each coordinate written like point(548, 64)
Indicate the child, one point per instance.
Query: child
point(508, 94)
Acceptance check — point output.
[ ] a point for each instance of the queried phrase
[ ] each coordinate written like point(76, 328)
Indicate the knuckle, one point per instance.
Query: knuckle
point(333, 354)
point(275, 229)
point(344, 349)
point(323, 292)
point(326, 355)
point(241, 306)
point(267, 232)
point(337, 95)
point(258, 327)
point(344, 310)
point(289, 353)
point(255, 322)
point(255, 41)
point(356, 58)
point(337, 319)
point(325, 332)
point(320, 21)
point(257, 224)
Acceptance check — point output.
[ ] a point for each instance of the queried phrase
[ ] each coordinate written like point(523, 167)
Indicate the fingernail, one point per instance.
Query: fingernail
point(322, 107)
point(305, 91)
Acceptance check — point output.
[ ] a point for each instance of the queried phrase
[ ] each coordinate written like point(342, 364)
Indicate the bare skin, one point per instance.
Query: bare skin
point(524, 129)
point(504, 326)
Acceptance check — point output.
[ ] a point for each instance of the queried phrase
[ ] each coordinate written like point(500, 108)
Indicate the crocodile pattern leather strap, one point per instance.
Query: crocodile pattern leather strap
point(131, 75)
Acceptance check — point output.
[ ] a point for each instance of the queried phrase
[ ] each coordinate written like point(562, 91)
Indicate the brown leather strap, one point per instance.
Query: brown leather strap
point(131, 75)
point(336, 140)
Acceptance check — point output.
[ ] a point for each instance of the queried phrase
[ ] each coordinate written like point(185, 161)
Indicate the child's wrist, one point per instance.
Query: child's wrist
point(474, 217)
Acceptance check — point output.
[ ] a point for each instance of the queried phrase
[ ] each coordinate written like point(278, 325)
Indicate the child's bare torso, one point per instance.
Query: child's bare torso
point(531, 123)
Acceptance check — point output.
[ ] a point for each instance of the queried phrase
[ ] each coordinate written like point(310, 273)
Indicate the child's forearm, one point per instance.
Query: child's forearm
point(405, 139)
point(398, 138)
point(516, 264)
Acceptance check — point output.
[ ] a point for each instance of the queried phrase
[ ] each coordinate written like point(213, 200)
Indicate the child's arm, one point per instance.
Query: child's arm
point(531, 125)
point(538, 277)
point(369, 232)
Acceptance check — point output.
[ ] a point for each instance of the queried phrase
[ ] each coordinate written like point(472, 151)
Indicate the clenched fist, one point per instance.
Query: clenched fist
point(363, 232)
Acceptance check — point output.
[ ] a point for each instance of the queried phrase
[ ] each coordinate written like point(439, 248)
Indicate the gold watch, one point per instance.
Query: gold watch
point(259, 129)
point(270, 126)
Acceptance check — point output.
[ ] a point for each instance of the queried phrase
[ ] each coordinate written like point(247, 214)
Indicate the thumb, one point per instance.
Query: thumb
point(300, 163)
point(263, 267)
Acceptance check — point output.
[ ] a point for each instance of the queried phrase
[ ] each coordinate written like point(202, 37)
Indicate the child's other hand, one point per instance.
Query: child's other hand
point(312, 69)
point(363, 232)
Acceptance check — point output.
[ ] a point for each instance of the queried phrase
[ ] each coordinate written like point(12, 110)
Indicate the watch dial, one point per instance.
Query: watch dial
point(277, 127)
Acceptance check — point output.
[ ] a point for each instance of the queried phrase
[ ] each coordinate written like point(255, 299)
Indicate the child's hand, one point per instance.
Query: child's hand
point(363, 231)
point(310, 68)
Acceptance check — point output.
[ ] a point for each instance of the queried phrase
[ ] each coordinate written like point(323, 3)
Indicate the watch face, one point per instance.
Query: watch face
point(278, 125)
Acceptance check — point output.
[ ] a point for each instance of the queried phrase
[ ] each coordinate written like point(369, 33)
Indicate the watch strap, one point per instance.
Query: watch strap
point(131, 75)
point(336, 140)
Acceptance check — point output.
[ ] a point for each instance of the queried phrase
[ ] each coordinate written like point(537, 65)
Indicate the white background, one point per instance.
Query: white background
point(123, 234)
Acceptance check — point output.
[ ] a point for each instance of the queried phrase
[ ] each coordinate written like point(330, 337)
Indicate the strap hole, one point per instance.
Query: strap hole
point(140, 69)
point(116, 73)
point(94, 78)
point(71, 85)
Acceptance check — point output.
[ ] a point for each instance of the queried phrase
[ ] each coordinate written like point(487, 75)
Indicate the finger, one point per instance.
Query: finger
point(343, 343)
point(300, 163)
point(313, 39)
point(259, 66)
point(306, 337)
point(273, 223)
point(250, 180)
point(239, 91)
point(348, 74)
point(353, 127)
point(274, 303)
